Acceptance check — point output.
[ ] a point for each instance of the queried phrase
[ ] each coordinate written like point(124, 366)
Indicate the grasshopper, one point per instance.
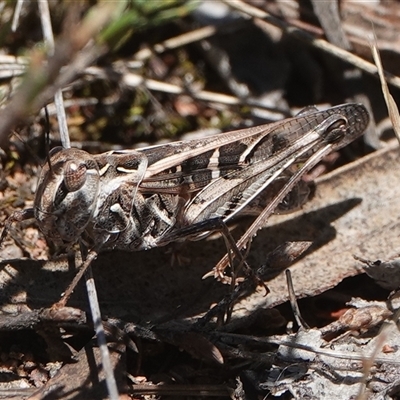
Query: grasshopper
point(139, 199)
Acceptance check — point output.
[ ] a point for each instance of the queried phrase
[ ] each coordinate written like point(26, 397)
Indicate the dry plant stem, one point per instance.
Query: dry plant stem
point(369, 361)
point(82, 269)
point(84, 102)
point(390, 103)
point(17, 12)
point(101, 337)
point(177, 41)
point(293, 302)
point(255, 340)
point(58, 97)
point(181, 390)
point(321, 44)
point(30, 319)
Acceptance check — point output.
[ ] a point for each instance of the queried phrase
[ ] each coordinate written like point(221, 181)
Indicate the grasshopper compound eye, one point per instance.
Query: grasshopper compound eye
point(74, 175)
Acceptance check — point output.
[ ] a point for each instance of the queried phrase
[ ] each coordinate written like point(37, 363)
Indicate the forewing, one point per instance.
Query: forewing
point(192, 165)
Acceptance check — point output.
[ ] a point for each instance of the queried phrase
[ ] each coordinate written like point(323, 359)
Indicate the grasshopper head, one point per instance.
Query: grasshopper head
point(66, 196)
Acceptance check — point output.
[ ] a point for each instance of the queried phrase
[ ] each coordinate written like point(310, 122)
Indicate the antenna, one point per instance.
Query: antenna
point(47, 135)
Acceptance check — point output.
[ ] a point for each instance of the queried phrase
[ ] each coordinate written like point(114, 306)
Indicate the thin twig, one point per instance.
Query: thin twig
point(289, 342)
point(83, 102)
point(177, 41)
point(181, 390)
point(30, 319)
point(293, 302)
point(101, 337)
point(17, 13)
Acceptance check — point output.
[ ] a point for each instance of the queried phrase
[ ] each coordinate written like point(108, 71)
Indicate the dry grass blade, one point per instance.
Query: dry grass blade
point(293, 302)
point(17, 13)
point(390, 103)
point(176, 42)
